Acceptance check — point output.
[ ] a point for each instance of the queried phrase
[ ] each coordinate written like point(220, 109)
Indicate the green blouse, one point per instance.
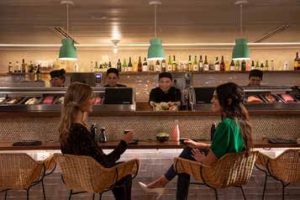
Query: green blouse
point(227, 138)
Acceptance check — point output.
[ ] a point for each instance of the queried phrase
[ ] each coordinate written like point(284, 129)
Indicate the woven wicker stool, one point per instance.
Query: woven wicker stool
point(234, 169)
point(18, 171)
point(285, 168)
point(84, 174)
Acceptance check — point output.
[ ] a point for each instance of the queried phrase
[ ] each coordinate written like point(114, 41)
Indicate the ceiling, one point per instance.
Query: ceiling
point(179, 21)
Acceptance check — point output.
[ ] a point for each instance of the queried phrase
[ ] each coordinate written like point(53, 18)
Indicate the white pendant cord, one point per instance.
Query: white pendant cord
point(155, 7)
point(241, 19)
point(67, 18)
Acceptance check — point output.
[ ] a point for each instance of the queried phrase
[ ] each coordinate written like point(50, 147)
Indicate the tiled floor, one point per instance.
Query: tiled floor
point(152, 168)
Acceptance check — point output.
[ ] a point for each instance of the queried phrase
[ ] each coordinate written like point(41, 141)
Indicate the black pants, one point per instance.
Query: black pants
point(122, 189)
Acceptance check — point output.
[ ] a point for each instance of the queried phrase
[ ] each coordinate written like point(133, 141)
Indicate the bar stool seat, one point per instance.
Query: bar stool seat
point(18, 171)
point(284, 168)
point(84, 174)
point(233, 169)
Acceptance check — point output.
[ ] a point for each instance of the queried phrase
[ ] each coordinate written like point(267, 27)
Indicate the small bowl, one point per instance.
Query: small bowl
point(162, 138)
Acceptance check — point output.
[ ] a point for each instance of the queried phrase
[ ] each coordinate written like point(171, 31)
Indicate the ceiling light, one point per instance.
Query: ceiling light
point(67, 50)
point(156, 50)
point(241, 50)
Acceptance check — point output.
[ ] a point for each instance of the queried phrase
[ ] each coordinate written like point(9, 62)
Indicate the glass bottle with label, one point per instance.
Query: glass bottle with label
point(129, 67)
point(200, 63)
point(124, 65)
point(243, 67)
point(119, 65)
point(157, 66)
point(10, 67)
point(296, 61)
point(145, 65)
point(163, 65)
point(267, 66)
point(206, 66)
point(189, 67)
point(169, 68)
point(237, 66)
point(222, 64)
point(232, 66)
point(195, 65)
point(252, 65)
point(174, 65)
point(217, 64)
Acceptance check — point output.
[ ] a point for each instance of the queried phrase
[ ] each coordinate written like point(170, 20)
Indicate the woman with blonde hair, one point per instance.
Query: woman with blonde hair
point(75, 137)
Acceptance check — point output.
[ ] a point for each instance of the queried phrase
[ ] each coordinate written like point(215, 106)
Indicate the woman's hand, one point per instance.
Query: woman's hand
point(128, 137)
point(190, 143)
point(197, 155)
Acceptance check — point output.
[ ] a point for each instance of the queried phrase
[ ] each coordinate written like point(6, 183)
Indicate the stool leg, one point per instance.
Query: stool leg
point(100, 196)
point(265, 186)
point(216, 193)
point(244, 196)
point(6, 194)
point(44, 193)
point(70, 195)
point(93, 196)
point(27, 194)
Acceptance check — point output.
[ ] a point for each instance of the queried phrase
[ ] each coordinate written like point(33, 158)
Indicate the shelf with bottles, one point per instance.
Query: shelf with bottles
point(29, 68)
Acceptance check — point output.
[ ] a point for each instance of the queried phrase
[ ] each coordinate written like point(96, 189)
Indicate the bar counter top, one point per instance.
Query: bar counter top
point(142, 144)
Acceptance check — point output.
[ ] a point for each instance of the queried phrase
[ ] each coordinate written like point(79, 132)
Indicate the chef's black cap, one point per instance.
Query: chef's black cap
point(58, 73)
point(256, 73)
point(165, 75)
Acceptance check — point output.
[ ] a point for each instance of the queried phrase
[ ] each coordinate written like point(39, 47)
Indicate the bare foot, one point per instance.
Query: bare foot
point(161, 182)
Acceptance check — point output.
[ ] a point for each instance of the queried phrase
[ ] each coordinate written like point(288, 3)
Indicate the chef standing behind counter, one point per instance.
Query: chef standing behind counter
point(57, 78)
point(112, 78)
point(165, 96)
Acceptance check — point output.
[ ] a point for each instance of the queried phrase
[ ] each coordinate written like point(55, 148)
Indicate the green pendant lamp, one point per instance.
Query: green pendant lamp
point(155, 50)
point(67, 50)
point(241, 50)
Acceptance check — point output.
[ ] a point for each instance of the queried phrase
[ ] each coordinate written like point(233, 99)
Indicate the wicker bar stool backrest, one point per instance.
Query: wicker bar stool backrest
point(233, 169)
point(19, 171)
point(83, 173)
point(286, 167)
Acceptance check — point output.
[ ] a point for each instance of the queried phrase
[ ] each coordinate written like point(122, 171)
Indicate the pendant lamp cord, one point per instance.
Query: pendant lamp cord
point(155, 6)
point(241, 19)
point(67, 18)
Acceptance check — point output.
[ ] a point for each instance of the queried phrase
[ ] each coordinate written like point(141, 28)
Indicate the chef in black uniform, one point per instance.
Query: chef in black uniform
point(57, 78)
point(166, 93)
point(112, 78)
point(255, 77)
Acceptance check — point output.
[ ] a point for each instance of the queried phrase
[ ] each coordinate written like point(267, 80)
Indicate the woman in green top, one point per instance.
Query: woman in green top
point(233, 134)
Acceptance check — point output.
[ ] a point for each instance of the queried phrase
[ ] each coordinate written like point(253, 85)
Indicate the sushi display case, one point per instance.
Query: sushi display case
point(38, 99)
point(256, 98)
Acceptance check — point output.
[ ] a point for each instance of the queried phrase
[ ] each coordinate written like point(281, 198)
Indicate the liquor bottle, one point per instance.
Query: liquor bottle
point(243, 67)
point(145, 65)
point(206, 66)
point(200, 63)
point(257, 65)
point(252, 65)
point(17, 67)
point(109, 64)
point(267, 66)
point(176, 132)
point(232, 66)
point(174, 65)
point(31, 67)
point(119, 65)
point(92, 66)
point(189, 67)
point(129, 67)
point(124, 66)
point(195, 65)
point(140, 65)
point(24, 66)
point(237, 66)
point(272, 65)
point(296, 61)
point(10, 68)
point(96, 67)
point(262, 67)
point(169, 68)
point(222, 64)
point(163, 65)
point(38, 73)
point(157, 66)
point(217, 64)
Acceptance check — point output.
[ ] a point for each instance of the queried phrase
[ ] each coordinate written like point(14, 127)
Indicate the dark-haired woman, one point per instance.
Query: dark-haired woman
point(75, 137)
point(233, 134)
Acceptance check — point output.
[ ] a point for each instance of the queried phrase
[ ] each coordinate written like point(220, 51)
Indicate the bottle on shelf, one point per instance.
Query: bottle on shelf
point(24, 66)
point(119, 65)
point(163, 65)
point(145, 65)
point(267, 66)
point(262, 67)
point(31, 67)
point(237, 66)
point(96, 67)
point(195, 65)
point(174, 64)
point(17, 67)
point(252, 65)
point(124, 65)
point(297, 62)
point(243, 67)
point(169, 67)
point(222, 64)
point(272, 67)
point(189, 66)
point(92, 66)
point(206, 65)
point(200, 63)
point(217, 65)
point(176, 132)
point(129, 67)
point(232, 66)
point(10, 67)
point(257, 65)
point(157, 66)
point(140, 65)
point(109, 64)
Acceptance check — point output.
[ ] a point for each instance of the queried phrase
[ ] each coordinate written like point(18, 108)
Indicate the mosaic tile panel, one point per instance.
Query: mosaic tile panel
point(146, 127)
